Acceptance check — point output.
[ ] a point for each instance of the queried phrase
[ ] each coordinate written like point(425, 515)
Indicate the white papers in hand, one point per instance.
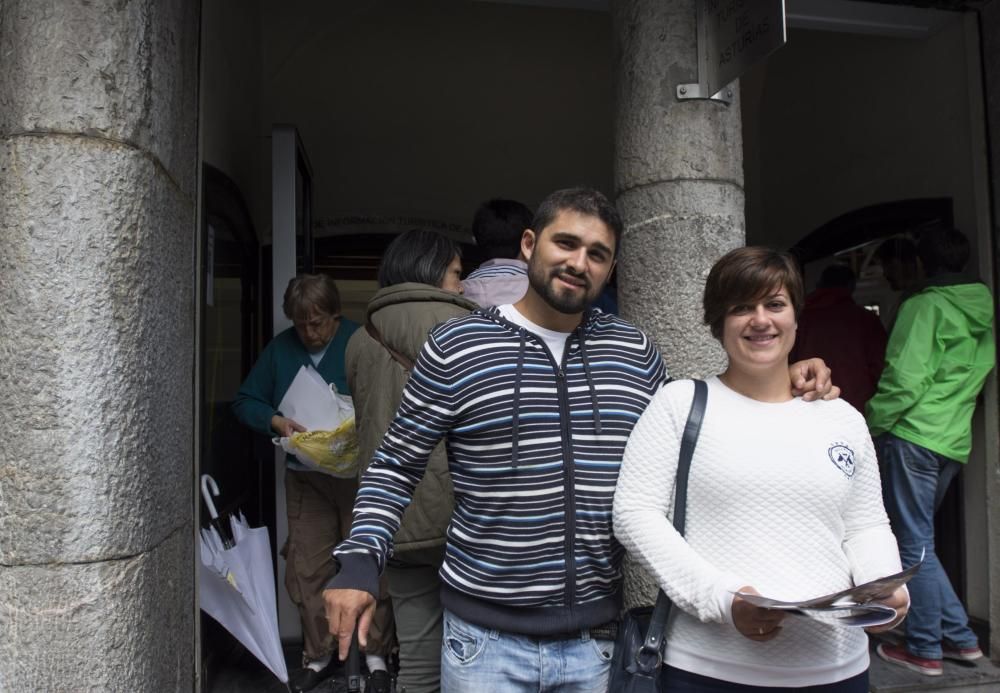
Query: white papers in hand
point(855, 606)
point(310, 402)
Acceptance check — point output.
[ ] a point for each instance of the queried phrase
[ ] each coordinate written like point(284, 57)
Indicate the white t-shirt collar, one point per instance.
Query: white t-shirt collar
point(555, 341)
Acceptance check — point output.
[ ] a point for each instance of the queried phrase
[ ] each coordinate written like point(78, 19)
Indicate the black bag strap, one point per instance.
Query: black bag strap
point(402, 359)
point(650, 654)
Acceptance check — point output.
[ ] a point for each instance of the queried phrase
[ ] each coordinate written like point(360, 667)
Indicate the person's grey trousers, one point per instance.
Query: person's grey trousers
point(415, 589)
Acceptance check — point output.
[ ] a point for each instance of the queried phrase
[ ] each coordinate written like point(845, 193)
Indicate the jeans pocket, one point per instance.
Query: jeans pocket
point(605, 649)
point(463, 642)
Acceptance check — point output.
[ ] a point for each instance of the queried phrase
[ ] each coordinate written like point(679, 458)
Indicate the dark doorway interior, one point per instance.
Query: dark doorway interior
point(861, 226)
point(240, 463)
point(870, 225)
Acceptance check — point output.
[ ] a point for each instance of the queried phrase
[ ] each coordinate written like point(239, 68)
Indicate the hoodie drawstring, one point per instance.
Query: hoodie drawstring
point(590, 381)
point(517, 400)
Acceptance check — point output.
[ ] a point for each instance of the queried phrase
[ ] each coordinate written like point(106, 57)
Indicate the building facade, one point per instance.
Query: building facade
point(111, 327)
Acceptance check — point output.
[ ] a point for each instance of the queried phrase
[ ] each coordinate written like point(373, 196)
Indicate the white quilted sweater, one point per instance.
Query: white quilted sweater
point(784, 497)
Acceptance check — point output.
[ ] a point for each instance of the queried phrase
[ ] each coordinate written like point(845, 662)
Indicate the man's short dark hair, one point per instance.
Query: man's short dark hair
point(417, 256)
point(746, 275)
point(498, 226)
point(586, 201)
point(837, 276)
point(943, 250)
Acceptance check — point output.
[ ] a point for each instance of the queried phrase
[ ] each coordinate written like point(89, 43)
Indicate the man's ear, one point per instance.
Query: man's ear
point(528, 239)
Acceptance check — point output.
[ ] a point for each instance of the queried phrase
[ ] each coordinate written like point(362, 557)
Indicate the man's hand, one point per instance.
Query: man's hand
point(898, 600)
point(754, 622)
point(811, 379)
point(344, 610)
point(285, 427)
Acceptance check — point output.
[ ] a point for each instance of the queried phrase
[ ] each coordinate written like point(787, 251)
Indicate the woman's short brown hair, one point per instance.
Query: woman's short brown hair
point(307, 291)
point(748, 274)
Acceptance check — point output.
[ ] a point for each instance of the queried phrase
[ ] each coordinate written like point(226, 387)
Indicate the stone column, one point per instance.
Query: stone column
point(679, 186)
point(98, 157)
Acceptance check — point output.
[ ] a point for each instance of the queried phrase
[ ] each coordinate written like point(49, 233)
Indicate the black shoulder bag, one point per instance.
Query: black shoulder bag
point(638, 657)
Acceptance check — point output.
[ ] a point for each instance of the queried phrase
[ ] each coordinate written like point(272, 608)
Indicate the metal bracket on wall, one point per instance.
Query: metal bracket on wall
point(687, 92)
point(704, 43)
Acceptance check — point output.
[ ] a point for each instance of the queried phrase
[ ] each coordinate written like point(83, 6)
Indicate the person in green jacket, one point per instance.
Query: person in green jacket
point(420, 288)
point(319, 505)
point(939, 354)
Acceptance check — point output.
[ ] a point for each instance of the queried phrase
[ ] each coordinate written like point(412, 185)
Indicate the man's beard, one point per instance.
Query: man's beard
point(569, 303)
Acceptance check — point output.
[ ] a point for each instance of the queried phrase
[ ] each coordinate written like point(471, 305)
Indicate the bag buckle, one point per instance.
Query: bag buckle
point(642, 658)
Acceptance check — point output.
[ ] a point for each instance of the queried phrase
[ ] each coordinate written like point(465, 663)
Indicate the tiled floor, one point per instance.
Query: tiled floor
point(981, 676)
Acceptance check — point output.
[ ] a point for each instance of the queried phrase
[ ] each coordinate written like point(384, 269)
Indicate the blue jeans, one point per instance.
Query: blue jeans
point(679, 681)
point(480, 660)
point(914, 481)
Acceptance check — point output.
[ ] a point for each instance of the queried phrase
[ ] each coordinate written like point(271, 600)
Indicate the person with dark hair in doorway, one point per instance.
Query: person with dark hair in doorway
point(319, 505)
point(497, 227)
point(898, 257)
point(535, 400)
point(419, 288)
point(849, 338)
point(940, 351)
point(901, 269)
point(422, 257)
point(783, 497)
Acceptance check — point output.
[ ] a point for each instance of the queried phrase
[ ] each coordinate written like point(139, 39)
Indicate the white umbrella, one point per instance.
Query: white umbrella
point(237, 584)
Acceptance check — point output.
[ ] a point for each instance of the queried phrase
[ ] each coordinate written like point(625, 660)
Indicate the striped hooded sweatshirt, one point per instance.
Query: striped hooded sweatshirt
point(534, 448)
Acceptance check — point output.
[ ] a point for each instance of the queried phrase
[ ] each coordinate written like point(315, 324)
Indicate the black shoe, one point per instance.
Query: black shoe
point(379, 682)
point(305, 679)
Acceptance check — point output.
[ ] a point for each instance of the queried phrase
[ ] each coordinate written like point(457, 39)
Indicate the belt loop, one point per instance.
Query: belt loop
point(584, 634)
point(493, 634)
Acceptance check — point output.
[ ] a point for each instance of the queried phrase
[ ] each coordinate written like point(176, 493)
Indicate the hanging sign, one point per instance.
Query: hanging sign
point(735, 34)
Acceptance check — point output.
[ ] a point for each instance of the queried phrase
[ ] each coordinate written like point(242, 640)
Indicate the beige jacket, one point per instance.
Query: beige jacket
point(404, 314)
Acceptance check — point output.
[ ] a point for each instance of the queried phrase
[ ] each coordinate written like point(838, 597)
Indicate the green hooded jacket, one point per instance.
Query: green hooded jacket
point(939, 354)
point(404, 314)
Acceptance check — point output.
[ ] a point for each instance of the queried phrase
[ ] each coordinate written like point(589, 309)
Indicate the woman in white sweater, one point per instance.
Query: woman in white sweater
point(784, 499)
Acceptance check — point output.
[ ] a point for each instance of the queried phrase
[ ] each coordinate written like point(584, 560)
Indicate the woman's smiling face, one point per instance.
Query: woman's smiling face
point(760, 334)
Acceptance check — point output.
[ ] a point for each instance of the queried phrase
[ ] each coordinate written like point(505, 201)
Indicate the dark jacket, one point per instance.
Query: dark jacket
point(404, 315)
point(271, 376)
point(849, 338)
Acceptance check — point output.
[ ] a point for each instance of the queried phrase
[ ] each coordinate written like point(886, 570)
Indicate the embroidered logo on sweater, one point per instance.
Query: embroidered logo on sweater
point(843, 457)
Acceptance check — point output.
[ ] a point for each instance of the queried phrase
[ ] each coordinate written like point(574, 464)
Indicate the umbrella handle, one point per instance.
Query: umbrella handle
point(208, 482)
point(353, 664)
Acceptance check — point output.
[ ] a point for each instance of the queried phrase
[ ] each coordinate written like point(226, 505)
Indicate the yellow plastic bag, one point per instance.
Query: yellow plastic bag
point(334, 452)
point(331, 443)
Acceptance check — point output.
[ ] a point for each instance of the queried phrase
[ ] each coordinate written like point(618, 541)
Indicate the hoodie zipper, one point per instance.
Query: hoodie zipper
point(568, 471)
point(567, 453)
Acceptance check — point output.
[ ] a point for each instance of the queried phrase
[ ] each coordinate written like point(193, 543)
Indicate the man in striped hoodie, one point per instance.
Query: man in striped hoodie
point(536, 401)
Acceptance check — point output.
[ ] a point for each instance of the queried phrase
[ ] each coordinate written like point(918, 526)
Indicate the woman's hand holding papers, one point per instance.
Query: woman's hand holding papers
point(898, 600)
point(754, 622)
